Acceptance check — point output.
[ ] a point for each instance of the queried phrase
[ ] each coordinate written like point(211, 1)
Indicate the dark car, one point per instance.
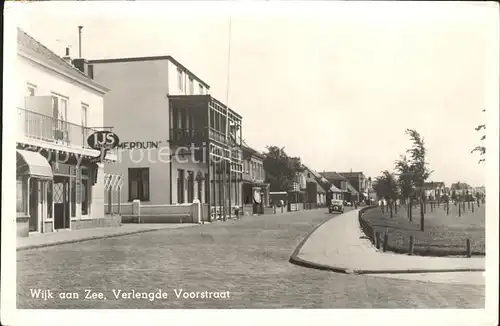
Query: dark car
point(336, 206)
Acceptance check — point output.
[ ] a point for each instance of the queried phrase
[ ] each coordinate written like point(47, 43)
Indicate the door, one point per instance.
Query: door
point(61, 202)
point(33, 202)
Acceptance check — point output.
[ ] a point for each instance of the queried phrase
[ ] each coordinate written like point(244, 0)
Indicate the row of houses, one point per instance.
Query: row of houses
point(435, 190)
point(176, 144)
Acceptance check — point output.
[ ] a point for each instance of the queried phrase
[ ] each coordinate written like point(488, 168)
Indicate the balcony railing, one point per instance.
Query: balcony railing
point(187, 136)
point(217, 136)
point(184, 136)
point(42, 127)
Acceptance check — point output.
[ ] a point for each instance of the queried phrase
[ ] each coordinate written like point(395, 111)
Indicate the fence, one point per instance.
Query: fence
point(180, 213)
point(112, 193)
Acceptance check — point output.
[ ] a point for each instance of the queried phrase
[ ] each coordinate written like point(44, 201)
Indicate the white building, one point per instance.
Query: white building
point(59, 183)
point(159, 109)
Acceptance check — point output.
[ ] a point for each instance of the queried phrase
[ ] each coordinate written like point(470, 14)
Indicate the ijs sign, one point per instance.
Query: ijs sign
point(103, 140)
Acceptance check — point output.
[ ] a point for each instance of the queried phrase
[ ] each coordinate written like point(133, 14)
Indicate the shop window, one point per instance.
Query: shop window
point(20, 195)
point(138, 183)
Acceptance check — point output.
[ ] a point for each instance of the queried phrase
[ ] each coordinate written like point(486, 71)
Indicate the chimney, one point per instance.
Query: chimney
point(67, 58)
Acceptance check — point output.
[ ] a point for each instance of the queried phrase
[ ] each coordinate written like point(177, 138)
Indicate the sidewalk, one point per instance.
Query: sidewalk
point(71, 236)
point(340, 245)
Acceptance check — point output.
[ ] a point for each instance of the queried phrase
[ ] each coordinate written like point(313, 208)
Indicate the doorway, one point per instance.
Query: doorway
point(61, 202)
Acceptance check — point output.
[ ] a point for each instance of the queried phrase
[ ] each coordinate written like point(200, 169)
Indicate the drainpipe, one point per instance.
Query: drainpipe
point(28, 201)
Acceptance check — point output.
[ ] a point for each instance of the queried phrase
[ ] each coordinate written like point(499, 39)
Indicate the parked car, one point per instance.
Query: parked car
point(336, 205)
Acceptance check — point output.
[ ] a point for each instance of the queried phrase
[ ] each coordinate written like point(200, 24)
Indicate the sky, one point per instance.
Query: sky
point(336, 83)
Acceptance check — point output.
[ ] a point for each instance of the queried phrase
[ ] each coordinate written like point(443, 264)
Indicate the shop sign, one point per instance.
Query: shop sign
point(103, 140)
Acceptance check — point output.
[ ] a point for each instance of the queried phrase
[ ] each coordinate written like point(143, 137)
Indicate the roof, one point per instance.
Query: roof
point(334, 189)
point(332, 176)
point(153, 58)
point(433, 184)
point(460, 185)
point(319, 189)
point(351, 174)
point(351, 189)
point(28, 45)
point(248, 150)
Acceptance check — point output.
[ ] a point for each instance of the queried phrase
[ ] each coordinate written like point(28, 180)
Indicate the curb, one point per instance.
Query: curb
point(106, 236)
point(296, 260)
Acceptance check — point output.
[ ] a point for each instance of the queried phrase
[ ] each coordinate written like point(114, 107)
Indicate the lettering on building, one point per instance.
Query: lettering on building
point(139, 145)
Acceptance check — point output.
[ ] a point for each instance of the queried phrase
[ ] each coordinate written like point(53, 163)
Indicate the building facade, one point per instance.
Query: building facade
point(315, 194)
point(340, 183)
point(59, 177)
point(255, 190)
point(359, 182)
point(178, 143)
point(434, 190)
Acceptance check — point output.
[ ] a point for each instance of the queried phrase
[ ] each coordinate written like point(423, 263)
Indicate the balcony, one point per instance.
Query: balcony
point(48, 129)
point(186, 137)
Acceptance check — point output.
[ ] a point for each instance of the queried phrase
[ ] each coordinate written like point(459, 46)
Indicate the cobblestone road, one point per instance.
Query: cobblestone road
point(248, 258)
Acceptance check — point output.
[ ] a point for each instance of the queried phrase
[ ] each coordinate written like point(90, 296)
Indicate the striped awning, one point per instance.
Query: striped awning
point(33, 164)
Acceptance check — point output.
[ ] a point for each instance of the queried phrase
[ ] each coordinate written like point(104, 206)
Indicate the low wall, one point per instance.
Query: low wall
point(165, 209)
point(125, 208)
point(158, 219)
point(365, 227)
point(181, 213)
point(108, 221)
point(22, 226)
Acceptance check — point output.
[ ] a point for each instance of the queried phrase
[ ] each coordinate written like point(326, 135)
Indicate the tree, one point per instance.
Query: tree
point(386, 187)
point(419, 168)
point(480, 149)
point(281, 170)
point(405, 177)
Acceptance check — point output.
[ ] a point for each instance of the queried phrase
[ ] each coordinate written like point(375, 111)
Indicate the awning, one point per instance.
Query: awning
point(351, 189)
point(33, 164)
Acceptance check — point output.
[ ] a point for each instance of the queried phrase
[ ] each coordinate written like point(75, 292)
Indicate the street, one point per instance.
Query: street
point(248, 258)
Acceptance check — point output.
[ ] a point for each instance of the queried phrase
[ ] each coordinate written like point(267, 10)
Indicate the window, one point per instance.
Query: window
point(180, 186)
point(85, 108)
point(200, 192)
point(59, 107)
point(200, 88)
point(138, 184)
point(20, 195)
point(190, 190)
point(191, 86)
point(31, 89)
point(179, 79)
point(59, 113)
